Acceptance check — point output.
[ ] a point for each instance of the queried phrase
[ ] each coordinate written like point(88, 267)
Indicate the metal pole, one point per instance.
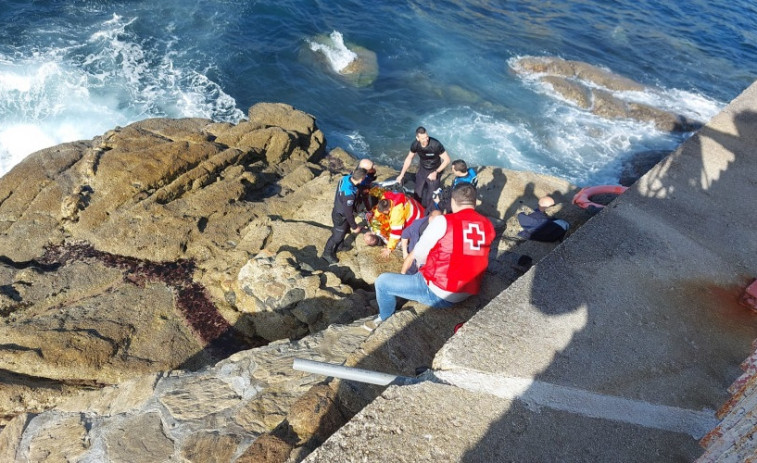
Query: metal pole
point(340, 371)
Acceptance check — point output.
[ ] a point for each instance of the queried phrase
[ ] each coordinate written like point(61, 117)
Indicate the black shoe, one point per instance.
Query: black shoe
point(330, 258)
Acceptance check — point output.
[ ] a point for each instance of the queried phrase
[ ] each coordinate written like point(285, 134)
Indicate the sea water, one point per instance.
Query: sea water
point(73, 70)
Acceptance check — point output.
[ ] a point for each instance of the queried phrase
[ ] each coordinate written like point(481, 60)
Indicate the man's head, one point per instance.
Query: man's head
point(459, 168)
point(546, 202)
point(384, 206)
point(421, 135)
point(371, 239)
point(463, 197)
point(358, 175)
point(366, 164)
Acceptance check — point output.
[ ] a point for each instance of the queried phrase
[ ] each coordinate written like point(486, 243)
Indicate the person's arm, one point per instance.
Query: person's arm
point(403, 243)
point(396, 224)
point(429, 238)
point(445, 162)
point(348, 211)
point(405, 166)
point(408, 262)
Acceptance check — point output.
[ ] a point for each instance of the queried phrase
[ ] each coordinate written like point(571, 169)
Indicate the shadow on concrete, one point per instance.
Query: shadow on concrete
point(682, 351)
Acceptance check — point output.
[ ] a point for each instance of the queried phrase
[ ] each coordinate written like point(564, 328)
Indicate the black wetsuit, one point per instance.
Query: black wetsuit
point(430, 159)
point(343, 214)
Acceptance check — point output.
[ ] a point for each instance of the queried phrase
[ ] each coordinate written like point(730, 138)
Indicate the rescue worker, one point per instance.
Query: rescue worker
point(364, 199)
point(453, 254)
point(343, 213)
point(433, 160)
point(393, 213)
point(461, 174)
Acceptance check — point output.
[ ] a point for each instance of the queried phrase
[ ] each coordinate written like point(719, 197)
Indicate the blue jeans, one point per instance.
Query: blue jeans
point(390, 286)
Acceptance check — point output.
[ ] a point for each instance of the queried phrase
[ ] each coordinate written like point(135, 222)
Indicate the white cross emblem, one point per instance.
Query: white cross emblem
point(473, 239)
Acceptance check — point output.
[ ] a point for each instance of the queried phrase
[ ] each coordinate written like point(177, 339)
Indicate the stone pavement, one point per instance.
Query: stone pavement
point(618, 346)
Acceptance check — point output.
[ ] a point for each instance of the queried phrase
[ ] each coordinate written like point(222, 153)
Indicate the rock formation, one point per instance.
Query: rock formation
point(352, 63)
point(590, 88)
point(156, 282)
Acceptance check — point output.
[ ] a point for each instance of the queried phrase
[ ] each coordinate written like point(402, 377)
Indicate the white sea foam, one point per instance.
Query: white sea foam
point(77, 92)
point(569, 143)
point(685, 103)
point(335, 51)
point(591, 149)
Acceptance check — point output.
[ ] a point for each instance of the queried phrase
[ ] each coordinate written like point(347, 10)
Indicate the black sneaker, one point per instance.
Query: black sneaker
point(330, 258)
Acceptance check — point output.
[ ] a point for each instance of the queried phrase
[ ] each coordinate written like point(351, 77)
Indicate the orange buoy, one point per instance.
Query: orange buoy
point(583, 197)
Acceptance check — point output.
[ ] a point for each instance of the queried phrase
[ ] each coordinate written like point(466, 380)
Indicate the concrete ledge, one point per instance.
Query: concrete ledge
point(440, 423)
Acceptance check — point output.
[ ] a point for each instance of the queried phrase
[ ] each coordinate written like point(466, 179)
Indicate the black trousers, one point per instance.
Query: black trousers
point(338, 232)
point(424, 188)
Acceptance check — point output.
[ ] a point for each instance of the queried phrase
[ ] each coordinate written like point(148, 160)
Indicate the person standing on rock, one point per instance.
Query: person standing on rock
point(452, 255)
point(343, 213)
point(433, 160)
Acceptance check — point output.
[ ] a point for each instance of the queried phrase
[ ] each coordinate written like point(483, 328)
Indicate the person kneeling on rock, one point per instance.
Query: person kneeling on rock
point(452, 254)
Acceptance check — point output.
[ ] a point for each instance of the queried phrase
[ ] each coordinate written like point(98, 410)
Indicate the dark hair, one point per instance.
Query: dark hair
point(384, 205)
point(375, 240)
point(359, 174)
point(420, 130)
point(464, 194)
point(460, 165)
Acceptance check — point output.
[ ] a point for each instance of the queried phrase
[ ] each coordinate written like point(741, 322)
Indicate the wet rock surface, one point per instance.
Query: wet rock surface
point(597, 90)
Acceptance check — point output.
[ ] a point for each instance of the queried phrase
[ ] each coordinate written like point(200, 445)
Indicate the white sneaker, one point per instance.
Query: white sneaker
point(372, 324)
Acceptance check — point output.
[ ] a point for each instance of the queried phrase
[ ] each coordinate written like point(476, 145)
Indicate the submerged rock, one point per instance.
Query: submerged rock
point(592, 88)
point(352, 63)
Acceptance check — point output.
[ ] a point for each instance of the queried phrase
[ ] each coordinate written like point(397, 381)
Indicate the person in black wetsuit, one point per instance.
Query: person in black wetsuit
point(433, 160)
point(343, 213)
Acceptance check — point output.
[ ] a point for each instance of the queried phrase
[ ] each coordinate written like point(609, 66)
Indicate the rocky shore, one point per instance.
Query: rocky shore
point(157, 281)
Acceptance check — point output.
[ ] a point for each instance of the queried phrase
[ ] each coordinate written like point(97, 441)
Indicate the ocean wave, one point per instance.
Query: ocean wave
point(569, 143)
point(334, 50)
point(80, 90)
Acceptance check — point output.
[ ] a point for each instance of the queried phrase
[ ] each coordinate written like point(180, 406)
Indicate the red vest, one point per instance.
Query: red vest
point(458, 260)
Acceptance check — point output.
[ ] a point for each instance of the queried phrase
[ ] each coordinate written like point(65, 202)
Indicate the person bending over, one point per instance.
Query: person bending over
point(433, 160)
point(452, 254)
point(343, 212)
point(393, 213)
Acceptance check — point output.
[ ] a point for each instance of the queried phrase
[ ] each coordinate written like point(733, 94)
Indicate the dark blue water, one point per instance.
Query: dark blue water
point(72, 70)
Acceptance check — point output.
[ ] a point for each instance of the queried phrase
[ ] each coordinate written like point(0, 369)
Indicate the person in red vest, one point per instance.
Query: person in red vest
point(452, 254)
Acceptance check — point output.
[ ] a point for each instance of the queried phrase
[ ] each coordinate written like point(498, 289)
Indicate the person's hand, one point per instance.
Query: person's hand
point(385, 253)
point(432, 175)
point(359, 229)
